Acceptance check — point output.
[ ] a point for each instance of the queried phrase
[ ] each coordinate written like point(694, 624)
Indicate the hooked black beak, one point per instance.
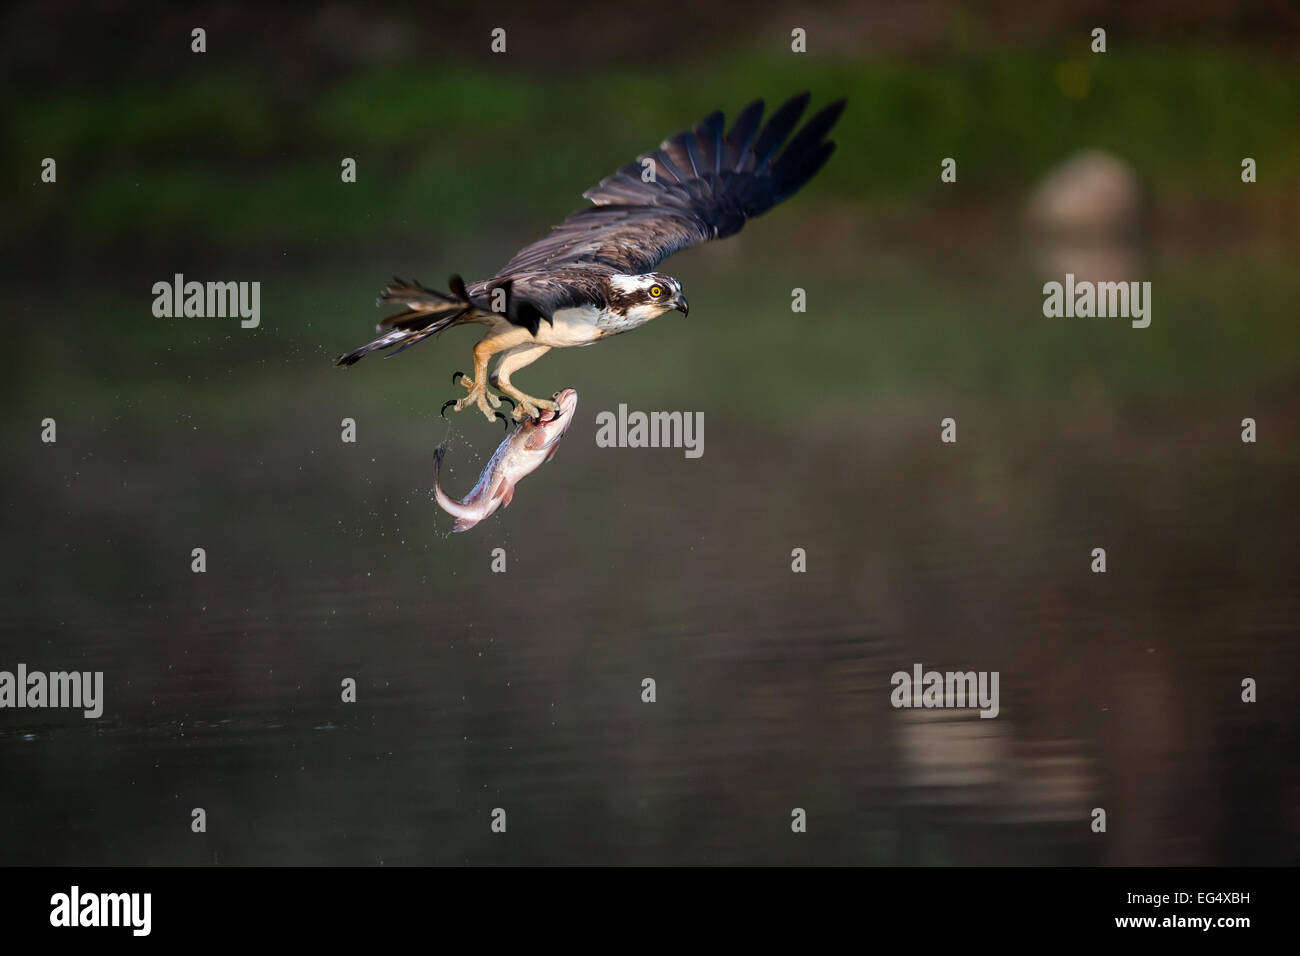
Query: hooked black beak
point(682, 305)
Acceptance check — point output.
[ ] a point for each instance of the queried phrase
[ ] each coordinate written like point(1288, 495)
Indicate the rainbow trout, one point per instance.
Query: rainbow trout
point(529, 444)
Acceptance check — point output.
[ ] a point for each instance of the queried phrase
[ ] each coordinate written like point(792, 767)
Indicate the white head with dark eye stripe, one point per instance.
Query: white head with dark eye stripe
point(644, 297)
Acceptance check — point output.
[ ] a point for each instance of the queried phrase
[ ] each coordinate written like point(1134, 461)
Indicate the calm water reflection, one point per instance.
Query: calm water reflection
point(523, 690)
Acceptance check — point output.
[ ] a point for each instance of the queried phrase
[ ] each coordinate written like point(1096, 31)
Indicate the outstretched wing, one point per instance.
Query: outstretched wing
point(705, 185)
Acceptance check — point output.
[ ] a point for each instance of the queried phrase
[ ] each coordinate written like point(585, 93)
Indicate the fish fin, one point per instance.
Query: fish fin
point(505, 491)
point(551, 454)
point(463, 524)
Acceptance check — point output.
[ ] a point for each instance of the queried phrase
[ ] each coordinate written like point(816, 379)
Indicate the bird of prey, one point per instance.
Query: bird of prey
point(593, 276)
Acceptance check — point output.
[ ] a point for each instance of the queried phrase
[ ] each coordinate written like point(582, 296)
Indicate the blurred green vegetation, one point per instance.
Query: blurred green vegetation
point(459, 163)
point(451, 143)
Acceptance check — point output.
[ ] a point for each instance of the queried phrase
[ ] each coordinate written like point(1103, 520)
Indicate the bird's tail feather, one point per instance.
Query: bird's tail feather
point(426, 313)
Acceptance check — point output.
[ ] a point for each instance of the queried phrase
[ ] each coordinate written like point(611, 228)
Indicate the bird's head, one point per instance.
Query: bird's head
point(646, 297)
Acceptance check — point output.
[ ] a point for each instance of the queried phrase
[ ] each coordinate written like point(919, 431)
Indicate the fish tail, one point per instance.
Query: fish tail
point(466, 517)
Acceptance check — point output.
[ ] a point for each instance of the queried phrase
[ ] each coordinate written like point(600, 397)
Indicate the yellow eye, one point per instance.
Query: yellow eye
point(656, 291)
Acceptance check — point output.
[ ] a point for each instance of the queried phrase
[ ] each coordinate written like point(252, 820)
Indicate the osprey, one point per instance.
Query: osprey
point(592, 276)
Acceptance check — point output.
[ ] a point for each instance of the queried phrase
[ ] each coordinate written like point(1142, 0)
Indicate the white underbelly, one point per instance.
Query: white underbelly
point(581, 326)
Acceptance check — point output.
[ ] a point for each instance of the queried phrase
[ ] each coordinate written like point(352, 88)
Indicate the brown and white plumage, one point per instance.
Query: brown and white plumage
point(592, 275)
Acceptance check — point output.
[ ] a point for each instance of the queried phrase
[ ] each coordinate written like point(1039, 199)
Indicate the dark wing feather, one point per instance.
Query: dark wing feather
point(706, 185)
point(779, 127)
point(741, 135)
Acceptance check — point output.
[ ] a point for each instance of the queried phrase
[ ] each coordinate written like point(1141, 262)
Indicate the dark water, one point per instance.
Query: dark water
point(522, 690)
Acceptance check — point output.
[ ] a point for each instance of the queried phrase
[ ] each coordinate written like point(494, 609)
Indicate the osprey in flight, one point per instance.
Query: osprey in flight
point(592, 276)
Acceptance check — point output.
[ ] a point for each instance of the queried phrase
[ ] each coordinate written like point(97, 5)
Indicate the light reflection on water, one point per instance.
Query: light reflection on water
point(523, 690)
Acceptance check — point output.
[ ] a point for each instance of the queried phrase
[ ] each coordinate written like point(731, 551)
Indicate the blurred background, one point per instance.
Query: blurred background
point(522, 690)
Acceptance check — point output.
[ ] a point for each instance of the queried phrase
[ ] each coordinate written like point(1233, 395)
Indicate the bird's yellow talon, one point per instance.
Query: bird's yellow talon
point(477, 395)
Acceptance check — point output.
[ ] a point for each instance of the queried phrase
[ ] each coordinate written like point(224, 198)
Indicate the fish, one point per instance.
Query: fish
point(530, 444)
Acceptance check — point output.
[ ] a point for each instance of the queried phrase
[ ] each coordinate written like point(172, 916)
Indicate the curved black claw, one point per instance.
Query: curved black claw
point(504, 419)
point(507, 398)
point(443, 410)
point(456, 376)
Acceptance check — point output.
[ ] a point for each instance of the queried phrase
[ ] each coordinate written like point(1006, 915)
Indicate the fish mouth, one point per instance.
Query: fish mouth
point(555, 422)
point(566, 400)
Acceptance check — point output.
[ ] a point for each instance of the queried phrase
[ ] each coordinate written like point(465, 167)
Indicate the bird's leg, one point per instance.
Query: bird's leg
point(512, 361)
point(476, 387)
